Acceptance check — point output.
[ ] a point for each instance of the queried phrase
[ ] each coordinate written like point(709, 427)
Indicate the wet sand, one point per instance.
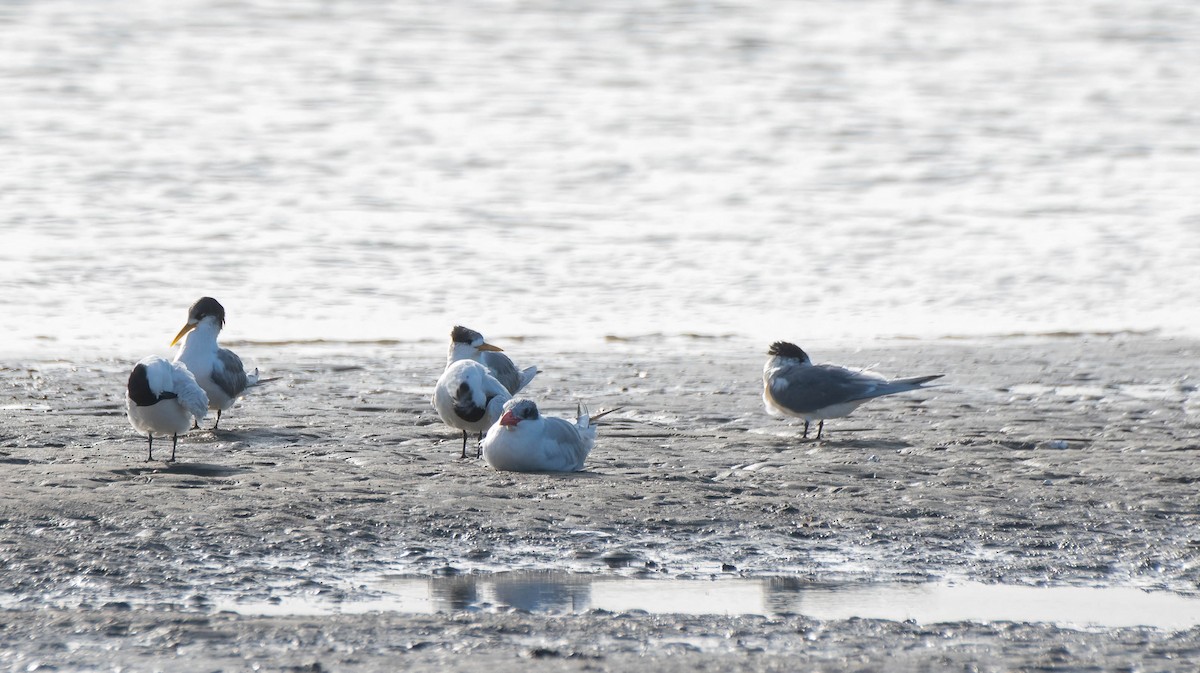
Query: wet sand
point(1063, 461)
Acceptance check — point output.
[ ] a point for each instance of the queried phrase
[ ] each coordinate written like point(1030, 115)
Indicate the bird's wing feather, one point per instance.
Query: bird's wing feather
point(476, 393)
point(228, 373)
point(808, 388)
point(503, 369)
point(565, 440)
point(492, 387)
point(188, 392)
point(527, 375)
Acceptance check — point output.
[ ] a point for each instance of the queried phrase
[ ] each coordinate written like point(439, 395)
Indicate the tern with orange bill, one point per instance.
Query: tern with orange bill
point(525, 441)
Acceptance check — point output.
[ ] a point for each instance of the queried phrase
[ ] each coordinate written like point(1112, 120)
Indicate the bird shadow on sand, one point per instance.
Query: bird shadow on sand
point(854, 443)
point(187, 469)
point(266, 435)
point(583, 474)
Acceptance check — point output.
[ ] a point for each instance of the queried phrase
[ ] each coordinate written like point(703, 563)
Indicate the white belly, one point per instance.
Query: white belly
point(167, 417)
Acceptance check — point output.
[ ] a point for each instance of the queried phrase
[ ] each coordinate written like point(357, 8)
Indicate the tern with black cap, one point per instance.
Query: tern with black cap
point(794, 386)
point(218, 370)
point(467, 344)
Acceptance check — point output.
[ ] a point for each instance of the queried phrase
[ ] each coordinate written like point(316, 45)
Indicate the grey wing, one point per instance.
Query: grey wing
point(809, 388)
point(189, 393)
point(503, 369)
point(566, 435)
point(230, 377)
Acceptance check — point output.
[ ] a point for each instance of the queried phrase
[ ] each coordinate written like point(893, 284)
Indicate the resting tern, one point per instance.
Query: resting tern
point(163, 397)
point(467, 344)
point(794, 386)
point(525, 441)
point(218, 370)
point(469, 398)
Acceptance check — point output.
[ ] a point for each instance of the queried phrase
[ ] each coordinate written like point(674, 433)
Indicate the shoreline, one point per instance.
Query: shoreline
point(1053, 462)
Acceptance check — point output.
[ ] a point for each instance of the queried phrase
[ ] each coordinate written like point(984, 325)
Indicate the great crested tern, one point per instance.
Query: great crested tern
point(794, 386)
point(467, 344)
point(218, 370)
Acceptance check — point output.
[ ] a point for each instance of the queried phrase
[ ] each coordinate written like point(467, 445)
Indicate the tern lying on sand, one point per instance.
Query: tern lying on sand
point(525, 441)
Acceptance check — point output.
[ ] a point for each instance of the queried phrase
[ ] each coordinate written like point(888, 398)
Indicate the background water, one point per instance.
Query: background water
point(766, 169)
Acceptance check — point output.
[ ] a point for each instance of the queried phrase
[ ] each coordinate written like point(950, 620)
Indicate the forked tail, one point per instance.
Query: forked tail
point(586, 420)
point(904, 385)
point(526, 375)
point(917, 381)
point(253, 379)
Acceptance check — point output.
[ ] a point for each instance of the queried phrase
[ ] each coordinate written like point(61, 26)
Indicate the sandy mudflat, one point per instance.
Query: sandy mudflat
point(1068, 461)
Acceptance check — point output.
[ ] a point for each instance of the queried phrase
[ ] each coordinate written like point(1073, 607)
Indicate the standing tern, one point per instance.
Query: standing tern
point(525, 441)
point(163, 397)
point(467, 397)
point(218, 370)
point(794, 386)
point(467, 344)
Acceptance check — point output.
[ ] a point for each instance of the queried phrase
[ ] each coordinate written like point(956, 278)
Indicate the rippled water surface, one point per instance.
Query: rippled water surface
point(368, 170)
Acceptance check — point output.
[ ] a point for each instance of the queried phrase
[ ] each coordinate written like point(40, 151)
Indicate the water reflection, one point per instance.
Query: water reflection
point(529, 591)
point(567, 593)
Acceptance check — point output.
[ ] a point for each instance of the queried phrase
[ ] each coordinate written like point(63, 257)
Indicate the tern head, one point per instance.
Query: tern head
point(468, 337)
point(139, 387)
point(783, 349)
point(517, 410)
point(205, 307)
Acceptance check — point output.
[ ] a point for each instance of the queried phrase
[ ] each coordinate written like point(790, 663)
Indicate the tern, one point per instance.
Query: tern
point(467, 344)
point(467, 397)
point(794, 386)
point(218, 370)
point(525, 441)
point(163, 397)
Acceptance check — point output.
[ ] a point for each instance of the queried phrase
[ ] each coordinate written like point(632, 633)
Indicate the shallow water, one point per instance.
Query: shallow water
point(929, 603)
point(367, 170)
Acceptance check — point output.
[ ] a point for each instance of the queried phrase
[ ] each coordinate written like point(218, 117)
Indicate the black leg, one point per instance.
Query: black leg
point(464, 453)
point(479, 446)
point(805, 435)
point(149, 446)
point(218, 419)
point(174, 441)
point(820, 427)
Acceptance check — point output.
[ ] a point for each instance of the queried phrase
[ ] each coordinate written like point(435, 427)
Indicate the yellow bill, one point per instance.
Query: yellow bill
point(186, 328)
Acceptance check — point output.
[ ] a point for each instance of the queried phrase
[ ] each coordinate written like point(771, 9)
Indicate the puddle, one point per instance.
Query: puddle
point(566, 593)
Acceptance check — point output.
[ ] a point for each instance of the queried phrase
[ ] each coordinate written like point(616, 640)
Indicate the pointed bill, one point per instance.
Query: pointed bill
point(186, 328)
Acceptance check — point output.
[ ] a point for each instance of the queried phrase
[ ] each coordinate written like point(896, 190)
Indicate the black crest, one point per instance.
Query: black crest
point(205, 307)
point(464, 335)
point(787, 350)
